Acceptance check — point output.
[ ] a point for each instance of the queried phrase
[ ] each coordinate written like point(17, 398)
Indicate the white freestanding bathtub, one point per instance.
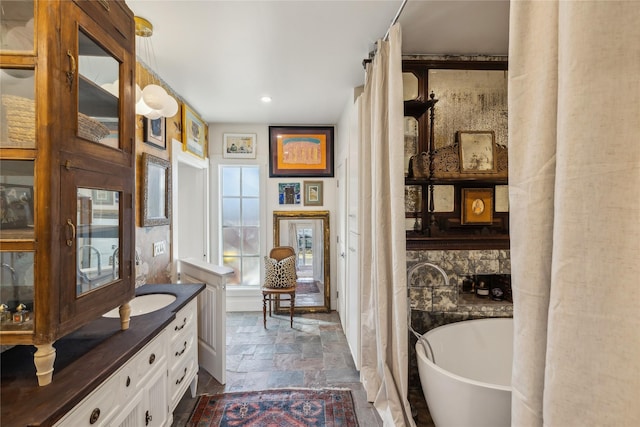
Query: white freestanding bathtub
point(469, 385)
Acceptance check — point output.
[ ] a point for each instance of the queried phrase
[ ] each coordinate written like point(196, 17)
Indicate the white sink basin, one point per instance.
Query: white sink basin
point(144, 304)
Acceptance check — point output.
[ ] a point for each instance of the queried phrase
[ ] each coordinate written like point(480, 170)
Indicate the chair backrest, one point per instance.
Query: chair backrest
point(281, 252)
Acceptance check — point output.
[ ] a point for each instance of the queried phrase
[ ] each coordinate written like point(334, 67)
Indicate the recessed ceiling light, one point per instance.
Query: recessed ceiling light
point(265, 99)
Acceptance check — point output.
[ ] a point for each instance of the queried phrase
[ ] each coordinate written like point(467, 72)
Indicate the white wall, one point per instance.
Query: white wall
point(243, 299)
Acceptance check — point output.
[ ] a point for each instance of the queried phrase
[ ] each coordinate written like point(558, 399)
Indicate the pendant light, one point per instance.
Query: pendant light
point(152, 101)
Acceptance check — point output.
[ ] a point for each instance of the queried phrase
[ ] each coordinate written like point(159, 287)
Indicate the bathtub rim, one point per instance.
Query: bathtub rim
point(421, 354)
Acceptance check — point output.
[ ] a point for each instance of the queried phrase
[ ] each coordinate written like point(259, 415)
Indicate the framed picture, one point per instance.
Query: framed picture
point(477, 206)
point(156, 191)
point(155, 131)
point(239, 146)
point(476, 151)
point(194, 133)
point(313, 193)
point(289, 193)
point(301, 151)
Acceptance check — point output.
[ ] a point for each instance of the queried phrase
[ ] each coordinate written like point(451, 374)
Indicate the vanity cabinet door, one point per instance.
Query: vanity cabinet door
point(97, 218)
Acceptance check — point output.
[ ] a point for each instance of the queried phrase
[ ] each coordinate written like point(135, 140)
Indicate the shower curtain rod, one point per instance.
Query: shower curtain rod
point(386, 35)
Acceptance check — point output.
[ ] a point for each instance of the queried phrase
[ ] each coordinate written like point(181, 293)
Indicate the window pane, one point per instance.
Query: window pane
point(250, 212)
point(234, 263)
point(251, 271)
point(231, 241)
point(230, 212)
point(16, 199)
point(250, 182)
point(230, 181)
point(251, 241)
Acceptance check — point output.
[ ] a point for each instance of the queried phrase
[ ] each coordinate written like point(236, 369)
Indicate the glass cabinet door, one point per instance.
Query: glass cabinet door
point(98, 93)
point(97, 239)
point(16, 26)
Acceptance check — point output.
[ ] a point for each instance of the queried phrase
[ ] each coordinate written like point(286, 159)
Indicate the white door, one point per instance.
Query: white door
point(342, 240)
point(190, 237)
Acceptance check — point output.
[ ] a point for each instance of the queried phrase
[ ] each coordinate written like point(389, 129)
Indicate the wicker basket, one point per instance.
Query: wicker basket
point(21, 122)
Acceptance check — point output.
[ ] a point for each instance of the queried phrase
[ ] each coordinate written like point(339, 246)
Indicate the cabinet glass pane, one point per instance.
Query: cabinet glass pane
point(97, 239)
point(410, 141)
point(17, 109)
point(410, 86)
point(98, 93)
point(16, 291)
point(16, 25)
point(16, 199)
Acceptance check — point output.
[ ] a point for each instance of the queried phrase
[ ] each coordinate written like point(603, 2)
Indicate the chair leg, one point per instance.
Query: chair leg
point(264, 310)
point(292, 306)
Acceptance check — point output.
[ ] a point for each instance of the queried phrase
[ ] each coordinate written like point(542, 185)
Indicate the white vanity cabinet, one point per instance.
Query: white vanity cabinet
point(183, 353)
point(136, 395)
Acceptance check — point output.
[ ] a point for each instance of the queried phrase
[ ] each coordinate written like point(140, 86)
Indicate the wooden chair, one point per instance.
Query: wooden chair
point(269, 294)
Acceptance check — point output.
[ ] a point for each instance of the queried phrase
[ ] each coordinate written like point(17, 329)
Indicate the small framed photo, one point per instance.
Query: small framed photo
point(194, 133)
point(477, 206)
point(239, 146)
point(155, 131)
point(313, 193)
point(289, 193)
point(476, 151)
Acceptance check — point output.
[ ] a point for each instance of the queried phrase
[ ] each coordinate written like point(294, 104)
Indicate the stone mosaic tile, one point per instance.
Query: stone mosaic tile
point(445, 299)
point(421, 298)
point(487, 266)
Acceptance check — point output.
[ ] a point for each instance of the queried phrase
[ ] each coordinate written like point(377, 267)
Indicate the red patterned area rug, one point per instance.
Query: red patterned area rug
point(276, 408)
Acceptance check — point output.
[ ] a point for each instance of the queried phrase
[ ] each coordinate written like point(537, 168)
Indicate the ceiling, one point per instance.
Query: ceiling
point(221, 57)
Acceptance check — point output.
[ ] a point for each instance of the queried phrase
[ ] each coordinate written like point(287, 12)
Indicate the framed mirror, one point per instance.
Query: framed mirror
point(156, 191)
point(308, 233)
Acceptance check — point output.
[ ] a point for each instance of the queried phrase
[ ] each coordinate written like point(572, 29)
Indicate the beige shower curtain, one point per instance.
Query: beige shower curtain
point(384, 332)
point(574, 179)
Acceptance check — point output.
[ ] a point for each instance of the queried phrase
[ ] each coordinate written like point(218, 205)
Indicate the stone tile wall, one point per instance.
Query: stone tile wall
point(435, 302)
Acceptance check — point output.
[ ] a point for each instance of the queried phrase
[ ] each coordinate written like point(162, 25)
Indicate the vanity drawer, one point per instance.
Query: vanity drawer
point(185, 320)
point(181, 375)
point(150, 357)
point(97, 409)
point(181, 349)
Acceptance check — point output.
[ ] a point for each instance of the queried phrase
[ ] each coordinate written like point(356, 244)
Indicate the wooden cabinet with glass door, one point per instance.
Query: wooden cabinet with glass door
point(66, 169)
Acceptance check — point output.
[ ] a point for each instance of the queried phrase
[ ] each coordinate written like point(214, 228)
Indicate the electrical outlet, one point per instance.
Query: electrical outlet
point(158, 248)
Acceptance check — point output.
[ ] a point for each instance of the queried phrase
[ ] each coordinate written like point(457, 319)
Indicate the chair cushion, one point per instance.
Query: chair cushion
point(280, 274)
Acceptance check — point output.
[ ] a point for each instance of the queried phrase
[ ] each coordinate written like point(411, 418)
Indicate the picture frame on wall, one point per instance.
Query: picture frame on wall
point(289, 193)
point(239, 146)
point(477, 206)
point(313, 193)
point(477, 151)
point(194, 133)
point(301, 151)
point(155, 132)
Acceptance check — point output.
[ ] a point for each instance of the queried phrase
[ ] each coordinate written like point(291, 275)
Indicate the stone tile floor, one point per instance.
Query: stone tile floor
point(313, 354)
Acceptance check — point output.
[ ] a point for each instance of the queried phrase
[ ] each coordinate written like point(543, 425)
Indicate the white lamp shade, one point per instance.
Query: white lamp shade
point(154, 96)
point(142, 108)
point(138, 93)
point(153, 114)
point(170, 107)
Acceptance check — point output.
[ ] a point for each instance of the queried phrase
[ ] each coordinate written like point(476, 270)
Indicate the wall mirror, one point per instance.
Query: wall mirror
point(308, 233)
point(156, 191)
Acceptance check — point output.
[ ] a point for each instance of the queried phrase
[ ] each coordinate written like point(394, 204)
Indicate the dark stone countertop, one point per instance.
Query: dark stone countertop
point(84, 359)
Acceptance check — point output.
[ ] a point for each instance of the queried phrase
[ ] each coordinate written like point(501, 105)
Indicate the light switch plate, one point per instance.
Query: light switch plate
point(159, 248)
